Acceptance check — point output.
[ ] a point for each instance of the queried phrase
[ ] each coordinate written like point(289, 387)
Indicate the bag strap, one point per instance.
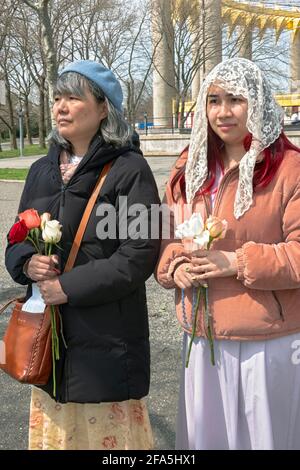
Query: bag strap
point(4, 307)
point(85, 218)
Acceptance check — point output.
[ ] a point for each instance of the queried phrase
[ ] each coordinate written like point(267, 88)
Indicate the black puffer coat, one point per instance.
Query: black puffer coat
point(105, 320)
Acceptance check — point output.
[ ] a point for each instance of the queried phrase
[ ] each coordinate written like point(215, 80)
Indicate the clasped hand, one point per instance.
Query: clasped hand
point(205, 264)
point(43, 270)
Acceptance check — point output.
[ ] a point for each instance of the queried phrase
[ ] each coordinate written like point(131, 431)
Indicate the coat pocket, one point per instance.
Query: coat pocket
point(279, 305)
point(245, 312)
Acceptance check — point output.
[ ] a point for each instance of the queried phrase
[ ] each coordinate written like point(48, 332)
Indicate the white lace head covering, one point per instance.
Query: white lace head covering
point(265, 117)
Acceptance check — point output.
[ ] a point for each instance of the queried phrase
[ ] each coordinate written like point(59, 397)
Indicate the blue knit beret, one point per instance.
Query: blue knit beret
point(100, 75)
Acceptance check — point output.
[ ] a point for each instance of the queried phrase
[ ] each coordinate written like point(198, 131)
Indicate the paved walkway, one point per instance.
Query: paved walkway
point(18, 162)
point(160, 166)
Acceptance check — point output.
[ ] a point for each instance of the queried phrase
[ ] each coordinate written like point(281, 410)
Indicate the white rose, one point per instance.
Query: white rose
point(202, 240)
point(196, 224)
point(52, 231)
point(44, 218)
point(183, 230)
point(190, 228)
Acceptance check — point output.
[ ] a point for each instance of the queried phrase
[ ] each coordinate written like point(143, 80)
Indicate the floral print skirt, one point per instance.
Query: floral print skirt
point(101, 426)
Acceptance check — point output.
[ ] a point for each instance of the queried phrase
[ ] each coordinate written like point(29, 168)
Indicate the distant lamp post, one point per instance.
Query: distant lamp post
point(146, 122)
point(21, 129)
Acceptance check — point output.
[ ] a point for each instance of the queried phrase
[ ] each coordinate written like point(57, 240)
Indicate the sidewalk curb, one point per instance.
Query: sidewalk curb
point(12, 181)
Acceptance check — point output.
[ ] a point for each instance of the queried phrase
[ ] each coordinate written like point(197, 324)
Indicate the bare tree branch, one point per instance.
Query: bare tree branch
point(32, 5)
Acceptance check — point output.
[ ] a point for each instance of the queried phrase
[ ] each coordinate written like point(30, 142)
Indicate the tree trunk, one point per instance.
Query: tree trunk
point(27, 121)
point(130, 104)
point(47, 35)
point(48, 116)
point(42, 9)
point(176, 123)
point(12, 126)
point(42, 142)
point(182, 118)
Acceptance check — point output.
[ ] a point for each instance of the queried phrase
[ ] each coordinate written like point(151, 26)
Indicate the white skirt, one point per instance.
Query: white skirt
point(249, 400)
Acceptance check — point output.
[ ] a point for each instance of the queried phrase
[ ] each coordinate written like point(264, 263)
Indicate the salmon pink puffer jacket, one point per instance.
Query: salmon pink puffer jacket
point(263, 301)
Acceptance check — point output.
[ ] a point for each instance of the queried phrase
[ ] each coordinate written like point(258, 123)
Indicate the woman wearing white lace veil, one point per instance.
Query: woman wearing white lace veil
point(241, 167)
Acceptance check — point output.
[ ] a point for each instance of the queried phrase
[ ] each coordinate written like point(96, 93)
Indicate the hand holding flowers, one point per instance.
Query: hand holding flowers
point(205, 264)
point(208, 264)
point(43, 268)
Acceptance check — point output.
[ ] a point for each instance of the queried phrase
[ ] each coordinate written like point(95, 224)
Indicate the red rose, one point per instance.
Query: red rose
point(31, 218)
point(18, 232)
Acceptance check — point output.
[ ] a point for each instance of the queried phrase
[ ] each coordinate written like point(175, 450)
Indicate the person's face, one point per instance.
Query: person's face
point(227, 115)
point(78, 118)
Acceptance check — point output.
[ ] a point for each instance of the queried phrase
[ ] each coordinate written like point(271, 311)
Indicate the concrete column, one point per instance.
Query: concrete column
point(211, 19)
point(163, 74)
point(244, 43)
point(295, 63)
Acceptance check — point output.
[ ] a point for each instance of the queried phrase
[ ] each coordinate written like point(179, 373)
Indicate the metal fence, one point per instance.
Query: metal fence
point(163, 125)
point(166, 125)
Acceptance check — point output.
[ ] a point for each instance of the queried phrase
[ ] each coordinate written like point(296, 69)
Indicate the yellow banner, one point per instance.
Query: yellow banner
point(288, 99)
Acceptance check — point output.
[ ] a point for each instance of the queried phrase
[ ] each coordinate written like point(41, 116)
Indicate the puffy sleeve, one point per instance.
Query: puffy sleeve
point(16, 255)
point(172, 251)
point(274, 266)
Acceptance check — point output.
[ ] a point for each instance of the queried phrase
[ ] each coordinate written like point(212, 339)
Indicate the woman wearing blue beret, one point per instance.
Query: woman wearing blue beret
point(102, 376)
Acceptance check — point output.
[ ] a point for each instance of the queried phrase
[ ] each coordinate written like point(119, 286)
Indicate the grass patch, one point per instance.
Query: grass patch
point(27, 152)
point(13, 173)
